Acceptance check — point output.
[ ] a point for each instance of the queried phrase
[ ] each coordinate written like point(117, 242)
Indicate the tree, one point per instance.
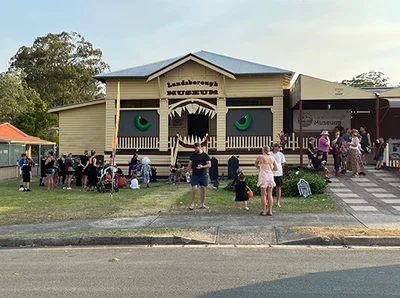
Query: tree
point(368, 79)
point(60, 67)
point(38, 122)
point(16, 97)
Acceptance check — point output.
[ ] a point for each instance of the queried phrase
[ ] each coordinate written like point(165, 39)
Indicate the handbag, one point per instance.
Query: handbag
point(249, 192)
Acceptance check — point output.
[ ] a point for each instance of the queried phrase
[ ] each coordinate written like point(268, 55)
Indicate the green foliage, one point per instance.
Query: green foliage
point(15, 96)
point(60, 67)
point(289, 187)
point(368, 79)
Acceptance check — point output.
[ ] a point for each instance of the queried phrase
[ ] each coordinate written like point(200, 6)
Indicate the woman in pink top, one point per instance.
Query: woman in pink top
point(266, 165)
point(324, 144)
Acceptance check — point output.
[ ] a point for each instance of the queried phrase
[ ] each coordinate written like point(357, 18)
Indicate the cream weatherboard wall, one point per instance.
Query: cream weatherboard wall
point(254, 86)
point(82, 129)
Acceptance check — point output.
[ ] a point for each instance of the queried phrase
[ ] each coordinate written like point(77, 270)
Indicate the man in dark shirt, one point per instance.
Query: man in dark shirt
point(198, 165)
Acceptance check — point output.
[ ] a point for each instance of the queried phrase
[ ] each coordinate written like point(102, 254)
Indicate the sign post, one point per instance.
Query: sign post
point(304, 188)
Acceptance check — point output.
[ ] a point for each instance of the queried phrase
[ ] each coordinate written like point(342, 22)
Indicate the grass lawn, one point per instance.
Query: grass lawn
point(338, 232)
point(41, 205)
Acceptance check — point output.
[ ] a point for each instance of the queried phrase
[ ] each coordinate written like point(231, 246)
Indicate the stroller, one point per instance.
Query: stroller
point(105, 180)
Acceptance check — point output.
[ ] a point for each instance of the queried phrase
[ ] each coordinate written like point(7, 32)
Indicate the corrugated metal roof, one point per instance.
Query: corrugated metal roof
point(232, 65)
point(94, 101)
point(377, 89)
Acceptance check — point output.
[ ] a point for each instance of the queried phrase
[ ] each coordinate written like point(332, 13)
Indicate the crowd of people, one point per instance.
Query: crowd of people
point(64, 170)
point(349, 148)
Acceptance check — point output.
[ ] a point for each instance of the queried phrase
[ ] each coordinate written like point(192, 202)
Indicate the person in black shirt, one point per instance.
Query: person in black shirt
point(42, 170)
point(26, 176)
point(241, 191)
point(198, 165)
point(84, 160)
point(133, 164)
point(78, 172)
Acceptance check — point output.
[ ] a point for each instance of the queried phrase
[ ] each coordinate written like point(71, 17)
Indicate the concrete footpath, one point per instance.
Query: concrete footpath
point(247, 229)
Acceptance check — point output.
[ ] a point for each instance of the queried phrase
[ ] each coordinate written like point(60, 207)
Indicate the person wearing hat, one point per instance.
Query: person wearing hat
point(355, 162)
point(324, 144)
point(198, 164)
point(278, 174)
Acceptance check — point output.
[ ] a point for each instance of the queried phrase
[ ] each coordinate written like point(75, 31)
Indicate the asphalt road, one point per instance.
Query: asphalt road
point(199, 272)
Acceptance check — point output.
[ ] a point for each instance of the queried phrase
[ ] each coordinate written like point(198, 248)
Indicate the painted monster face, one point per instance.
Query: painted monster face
point(243, 123)
point(141, 123)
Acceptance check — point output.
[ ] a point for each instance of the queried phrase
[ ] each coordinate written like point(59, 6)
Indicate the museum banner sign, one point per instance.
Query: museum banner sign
point(317, 120)
point(192, 88)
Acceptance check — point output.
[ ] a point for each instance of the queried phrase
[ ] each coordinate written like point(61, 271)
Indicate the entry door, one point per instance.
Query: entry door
point(198, 125)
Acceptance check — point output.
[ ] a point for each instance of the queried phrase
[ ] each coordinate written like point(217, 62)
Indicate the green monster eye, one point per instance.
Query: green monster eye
point(141, 123)
point(243, 123)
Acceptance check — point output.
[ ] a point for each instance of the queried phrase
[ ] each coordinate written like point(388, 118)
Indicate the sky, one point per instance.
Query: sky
point(332, 40)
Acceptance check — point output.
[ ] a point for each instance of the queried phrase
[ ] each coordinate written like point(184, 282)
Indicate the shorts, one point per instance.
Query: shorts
point(278, 181)
point(26, 179)
point(69, 173)
point(199, 180)
point(50, 171)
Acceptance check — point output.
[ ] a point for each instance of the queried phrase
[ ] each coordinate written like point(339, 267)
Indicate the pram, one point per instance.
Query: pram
point(105, 180)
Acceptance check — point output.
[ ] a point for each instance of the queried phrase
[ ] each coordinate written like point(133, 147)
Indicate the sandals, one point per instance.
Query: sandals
point(201, 207)
point(262, 213)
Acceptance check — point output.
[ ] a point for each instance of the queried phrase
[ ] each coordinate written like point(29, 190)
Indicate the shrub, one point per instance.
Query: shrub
point(289, 187)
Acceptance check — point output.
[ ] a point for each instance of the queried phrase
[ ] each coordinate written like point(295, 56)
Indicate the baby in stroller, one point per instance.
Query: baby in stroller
point(320, 164)
point(105, 179)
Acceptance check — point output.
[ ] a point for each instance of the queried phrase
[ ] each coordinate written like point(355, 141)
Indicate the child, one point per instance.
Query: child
point(241, 191)
point(283, 138)
point(171, 178)
point(21, 163)
point(236, 178)
point(134, 182)
point(310, 151)
point(26, 176)
point(380, 148)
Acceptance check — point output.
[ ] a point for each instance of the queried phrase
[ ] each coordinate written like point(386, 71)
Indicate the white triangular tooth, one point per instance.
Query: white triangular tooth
point(212, 114)
point(195, 107)
point(189, 108)
point(179, 111)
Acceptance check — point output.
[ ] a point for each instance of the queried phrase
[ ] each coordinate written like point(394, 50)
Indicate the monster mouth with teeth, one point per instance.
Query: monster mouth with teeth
point(197, 107)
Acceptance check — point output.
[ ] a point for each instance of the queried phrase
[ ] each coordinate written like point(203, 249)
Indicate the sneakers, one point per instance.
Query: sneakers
point(69, 188)
point(64, 187)
point(27, 189)
point(362, 173)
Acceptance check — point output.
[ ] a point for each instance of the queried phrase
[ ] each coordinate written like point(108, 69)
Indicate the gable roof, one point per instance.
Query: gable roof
point(232, 65)
point(13, 135)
